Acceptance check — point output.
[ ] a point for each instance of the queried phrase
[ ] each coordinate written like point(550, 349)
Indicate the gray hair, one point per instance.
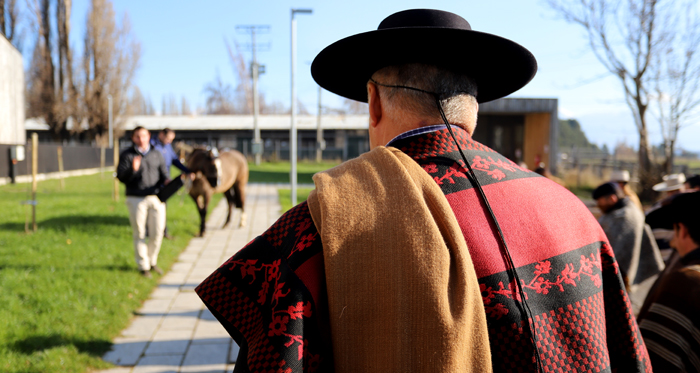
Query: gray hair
point(457, 92)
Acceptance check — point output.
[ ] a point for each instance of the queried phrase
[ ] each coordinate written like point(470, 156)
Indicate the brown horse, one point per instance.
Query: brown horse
point(218, 173)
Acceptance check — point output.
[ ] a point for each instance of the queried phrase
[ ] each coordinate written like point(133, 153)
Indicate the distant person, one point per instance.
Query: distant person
point(163, 143)
point(143, 172)
point(631, 239)
point(542, 170)
point(671, 184)
point(622, 178)
point(670, 317)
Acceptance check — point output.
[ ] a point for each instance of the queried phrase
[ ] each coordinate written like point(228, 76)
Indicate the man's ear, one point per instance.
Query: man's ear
point(375, 104)
point(682, 231)
point(614, 198)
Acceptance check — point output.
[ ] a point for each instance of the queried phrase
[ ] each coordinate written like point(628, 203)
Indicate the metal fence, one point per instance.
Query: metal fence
point(75, 157)
point(590, 167)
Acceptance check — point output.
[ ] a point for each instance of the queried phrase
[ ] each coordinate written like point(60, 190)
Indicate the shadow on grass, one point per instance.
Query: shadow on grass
point(62, 223)
point(37, 343)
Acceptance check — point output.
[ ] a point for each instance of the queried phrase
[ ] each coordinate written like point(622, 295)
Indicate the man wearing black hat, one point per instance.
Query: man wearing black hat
point(692, 183)
point(670, 318)
point(431, 252)
point(632, 240)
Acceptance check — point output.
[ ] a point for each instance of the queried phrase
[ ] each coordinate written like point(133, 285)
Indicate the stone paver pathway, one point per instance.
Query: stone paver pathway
point(173, 331)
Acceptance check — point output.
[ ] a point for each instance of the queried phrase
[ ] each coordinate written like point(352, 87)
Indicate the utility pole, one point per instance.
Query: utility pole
point(255, 69)
point(293, 127)
point(320, 142)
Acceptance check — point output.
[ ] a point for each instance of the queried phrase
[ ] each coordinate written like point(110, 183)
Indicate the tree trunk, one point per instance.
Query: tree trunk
point(668, 169)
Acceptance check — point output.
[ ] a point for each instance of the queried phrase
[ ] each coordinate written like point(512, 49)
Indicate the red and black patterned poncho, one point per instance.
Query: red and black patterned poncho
point(271, 298)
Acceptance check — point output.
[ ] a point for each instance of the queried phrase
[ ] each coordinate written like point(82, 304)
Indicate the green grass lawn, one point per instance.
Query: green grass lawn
point(285, 196)
point(278, 172)
point(68, 289)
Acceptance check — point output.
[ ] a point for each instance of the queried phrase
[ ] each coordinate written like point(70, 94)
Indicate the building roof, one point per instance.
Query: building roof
point(245, 122)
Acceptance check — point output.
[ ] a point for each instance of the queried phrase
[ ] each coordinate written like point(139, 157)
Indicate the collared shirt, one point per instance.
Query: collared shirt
point(169, 155)
point(417, 131)
point(143, 151)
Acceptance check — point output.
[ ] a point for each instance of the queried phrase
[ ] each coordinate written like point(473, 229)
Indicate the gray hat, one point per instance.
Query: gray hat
point(671, 182)
point(620, 176)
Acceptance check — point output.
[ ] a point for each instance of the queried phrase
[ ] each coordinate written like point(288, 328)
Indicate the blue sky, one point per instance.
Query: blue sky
point(183, 48)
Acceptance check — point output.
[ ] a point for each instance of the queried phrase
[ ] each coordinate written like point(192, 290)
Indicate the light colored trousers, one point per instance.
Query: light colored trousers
point(146, 210)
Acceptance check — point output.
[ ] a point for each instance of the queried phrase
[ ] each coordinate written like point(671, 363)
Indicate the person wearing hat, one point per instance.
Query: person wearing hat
point(692, 184)
point(671, 184)
point(632, 240)
point(431, 252)
point(622, 178)
point(670, 317)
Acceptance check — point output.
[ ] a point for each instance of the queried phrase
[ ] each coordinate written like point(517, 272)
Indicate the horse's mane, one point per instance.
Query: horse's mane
point(197, 151)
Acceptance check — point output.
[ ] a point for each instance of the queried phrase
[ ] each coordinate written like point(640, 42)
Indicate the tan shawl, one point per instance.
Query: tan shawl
point(402, 291)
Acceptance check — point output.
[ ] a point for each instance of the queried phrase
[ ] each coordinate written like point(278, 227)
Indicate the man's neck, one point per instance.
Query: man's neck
point(684, 251)
point(143, 150)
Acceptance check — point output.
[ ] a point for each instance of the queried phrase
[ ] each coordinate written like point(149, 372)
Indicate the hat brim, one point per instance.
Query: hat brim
point(681, 207)
point(499, 66)
point(661, 218)
point(664, 187)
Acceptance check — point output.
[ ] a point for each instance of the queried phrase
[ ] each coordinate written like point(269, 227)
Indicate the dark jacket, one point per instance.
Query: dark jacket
point(150, 176)
point(670, 318)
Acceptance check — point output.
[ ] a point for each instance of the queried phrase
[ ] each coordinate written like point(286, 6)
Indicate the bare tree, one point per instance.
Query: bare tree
point(355, 107)
point(243, 94)
point(624, 36)
point(9, 18)
point(676, 78)
point(169, 105)
point(219, 97)
point(274, 107)
point(110, 61)
point(138, 104)
point(185, 107)
point(242, 97)
point(67, 91)
point(43, 97)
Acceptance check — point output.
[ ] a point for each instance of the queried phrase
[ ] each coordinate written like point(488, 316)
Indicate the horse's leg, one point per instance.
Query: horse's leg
point(203, 213)
point(229, 199)
point(199, 200)
point(239, 200)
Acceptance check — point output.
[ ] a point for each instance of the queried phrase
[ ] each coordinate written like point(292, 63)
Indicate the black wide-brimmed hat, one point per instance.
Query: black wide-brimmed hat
point(498, 66)
point(682, 207)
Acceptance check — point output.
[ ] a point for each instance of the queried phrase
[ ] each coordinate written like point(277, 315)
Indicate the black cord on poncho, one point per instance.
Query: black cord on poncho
point(523, 306)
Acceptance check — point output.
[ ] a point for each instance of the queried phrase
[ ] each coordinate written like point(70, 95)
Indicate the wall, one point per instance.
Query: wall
point(11, 94)
point(537, 135)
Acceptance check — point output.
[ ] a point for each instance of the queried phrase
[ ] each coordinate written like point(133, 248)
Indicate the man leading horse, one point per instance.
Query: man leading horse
point(431, 252)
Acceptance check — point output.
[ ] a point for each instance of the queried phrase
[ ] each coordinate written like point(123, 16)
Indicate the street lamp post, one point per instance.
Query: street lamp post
point(293, 128)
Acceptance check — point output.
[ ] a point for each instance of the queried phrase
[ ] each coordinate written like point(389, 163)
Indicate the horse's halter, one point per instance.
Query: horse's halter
point(216, 161)
point(525, 311)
